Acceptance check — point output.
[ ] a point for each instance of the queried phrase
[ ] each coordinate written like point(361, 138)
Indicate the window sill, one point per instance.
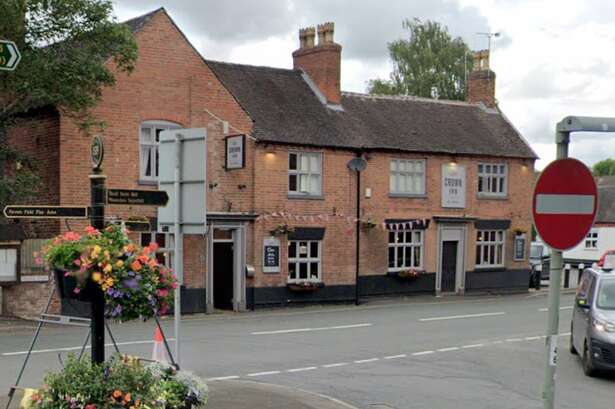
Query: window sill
point(305, 197)
point(407, 195)
point(482, 196)
point(147, 182)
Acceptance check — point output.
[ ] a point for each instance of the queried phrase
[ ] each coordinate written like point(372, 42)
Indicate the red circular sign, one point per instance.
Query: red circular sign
point(565, 203)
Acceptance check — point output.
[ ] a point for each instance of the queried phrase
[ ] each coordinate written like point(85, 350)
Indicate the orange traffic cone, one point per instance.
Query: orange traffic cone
point(160, 352)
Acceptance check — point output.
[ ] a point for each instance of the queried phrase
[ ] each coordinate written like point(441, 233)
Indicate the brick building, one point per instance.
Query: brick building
point(436, 197)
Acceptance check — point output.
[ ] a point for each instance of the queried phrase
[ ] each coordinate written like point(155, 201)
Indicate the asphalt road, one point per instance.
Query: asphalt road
point(483, 352)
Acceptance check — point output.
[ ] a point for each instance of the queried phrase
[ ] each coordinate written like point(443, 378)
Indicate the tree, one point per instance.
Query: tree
point(604, 168)
point(65, 46)
point(430, 64)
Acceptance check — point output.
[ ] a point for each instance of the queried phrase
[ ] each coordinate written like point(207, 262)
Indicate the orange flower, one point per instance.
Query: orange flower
point(136, 266)
point(128, 397)
point(153, 246)
point(117, 394)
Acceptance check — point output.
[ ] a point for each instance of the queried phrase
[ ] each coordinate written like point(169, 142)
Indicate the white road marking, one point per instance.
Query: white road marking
point(395, 356)
point(568, 307)
point(263, 373)
point(473, 346)
point(223, 378)
point(448, 349)
point(307, 368)
point(42, 351)
point(364, 361)
point(513, 339)
point(291, 331)
point(532, 338)
point(335, 365)
point(456, 317)
point(423, 353)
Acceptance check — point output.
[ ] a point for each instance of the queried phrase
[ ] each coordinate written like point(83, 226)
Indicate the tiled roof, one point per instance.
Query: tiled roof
point(606, 199)
point(286, 110)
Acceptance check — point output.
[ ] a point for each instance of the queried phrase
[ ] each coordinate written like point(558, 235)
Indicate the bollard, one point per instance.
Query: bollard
point(567, 276)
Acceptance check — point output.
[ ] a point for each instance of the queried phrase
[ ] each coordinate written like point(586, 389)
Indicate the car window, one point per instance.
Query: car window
point(536, 252)
point(584, 286)
point(592, 290)
point(606, 295)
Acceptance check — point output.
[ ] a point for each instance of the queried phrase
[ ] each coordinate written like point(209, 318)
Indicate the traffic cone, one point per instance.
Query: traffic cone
point(160, 352)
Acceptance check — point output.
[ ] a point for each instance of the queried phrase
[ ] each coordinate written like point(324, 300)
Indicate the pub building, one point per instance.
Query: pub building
point(443, 202)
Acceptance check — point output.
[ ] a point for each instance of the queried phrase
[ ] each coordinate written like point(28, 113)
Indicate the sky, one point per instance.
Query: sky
point(553, 58)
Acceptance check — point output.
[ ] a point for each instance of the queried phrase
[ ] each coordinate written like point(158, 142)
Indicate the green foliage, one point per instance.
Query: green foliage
point(429, 64)
point(19, 181)
point(65, 46)
point(113, 384)
point(604, 168)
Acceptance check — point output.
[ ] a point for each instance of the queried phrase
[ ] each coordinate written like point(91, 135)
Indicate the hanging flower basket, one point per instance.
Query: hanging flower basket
point(409, 274)
point(281, 230)
point(304, 286)
point(133, 283)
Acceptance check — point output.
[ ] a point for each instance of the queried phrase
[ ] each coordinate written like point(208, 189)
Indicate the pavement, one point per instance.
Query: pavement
point(417, 353)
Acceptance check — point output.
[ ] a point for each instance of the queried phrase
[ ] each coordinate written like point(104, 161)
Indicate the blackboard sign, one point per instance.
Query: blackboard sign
point(520, 247)
point(271, 255)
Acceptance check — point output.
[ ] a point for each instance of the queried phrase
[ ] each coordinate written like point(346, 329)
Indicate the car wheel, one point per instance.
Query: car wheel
point(571, 347)
point(588, 364)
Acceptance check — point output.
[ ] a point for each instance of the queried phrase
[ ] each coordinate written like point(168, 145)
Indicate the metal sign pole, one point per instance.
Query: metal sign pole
point(97, 182)
point(179, 242)
point(562, 140)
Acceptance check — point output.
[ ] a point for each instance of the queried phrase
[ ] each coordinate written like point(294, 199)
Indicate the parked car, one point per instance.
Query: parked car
point(603, 258)
point(592, 331)
point(539, 263)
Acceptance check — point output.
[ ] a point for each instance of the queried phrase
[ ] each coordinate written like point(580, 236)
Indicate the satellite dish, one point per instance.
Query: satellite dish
point(357, 164)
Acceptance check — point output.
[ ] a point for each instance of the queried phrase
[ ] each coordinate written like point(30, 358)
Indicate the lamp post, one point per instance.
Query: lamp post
point(358, 165)
point(562, 140)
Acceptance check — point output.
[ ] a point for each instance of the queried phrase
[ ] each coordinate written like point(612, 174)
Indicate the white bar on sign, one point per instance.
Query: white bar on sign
point(564, 204)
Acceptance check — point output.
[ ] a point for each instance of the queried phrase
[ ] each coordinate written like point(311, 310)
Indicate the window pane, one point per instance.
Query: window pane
point(292, 183)
point(499, 255)
point(315, 163)
point(303, 271)
point(408, 238)
point(391, 257)
point(417, 256)
point(501, 189)
point(480, 184)
point(391, 237)
point(480, 168)
point(146, 239)
point(392, 187)
point(417, 236)
point(393, 165)
point(314, 270)
point(146, 135)
point(304, 163)
point(491, 254)
point(161, 240)
point(400, 257)
point(478, 249)
point(292, 249)
point(304, 184)
point(158, 130)
point(147, 160)
point(292, 161)
point(408, 256)
point(314, 249)
point(315, 184)
point(292, 272)
point(155, 148)
point(303, 249)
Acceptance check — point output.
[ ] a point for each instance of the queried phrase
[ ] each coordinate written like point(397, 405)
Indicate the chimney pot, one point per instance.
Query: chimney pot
point(325, 33)
point(306, 37)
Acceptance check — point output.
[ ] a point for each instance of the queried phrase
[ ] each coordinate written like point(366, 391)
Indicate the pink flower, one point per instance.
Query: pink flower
point(77, 290)
point(67, 274)
point(77, 262)
point(91, 230)
point(72, 236)
point(163, 293)
point(38, 261)
point(174, 285)
point(153, 246)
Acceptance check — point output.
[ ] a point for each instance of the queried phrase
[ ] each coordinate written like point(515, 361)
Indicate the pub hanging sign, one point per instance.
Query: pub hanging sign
point(453, 186)
point(235, 151)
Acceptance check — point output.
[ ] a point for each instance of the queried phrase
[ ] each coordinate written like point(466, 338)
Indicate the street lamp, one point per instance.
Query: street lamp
point(562, 140)
point(357, 165)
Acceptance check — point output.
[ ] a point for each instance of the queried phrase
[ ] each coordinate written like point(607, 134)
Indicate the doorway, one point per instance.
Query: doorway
point(449, 265)
point(223, 275)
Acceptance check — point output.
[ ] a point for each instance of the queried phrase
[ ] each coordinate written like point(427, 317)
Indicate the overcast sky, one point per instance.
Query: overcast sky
point(554, 57)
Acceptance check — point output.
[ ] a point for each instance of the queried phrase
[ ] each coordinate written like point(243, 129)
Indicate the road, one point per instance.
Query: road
point(473, 352)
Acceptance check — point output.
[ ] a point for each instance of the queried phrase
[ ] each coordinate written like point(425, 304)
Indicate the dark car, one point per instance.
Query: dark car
point(592, 332)
point(539, 263)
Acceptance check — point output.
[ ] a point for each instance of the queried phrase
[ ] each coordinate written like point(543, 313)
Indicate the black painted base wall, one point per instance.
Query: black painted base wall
point(390, 284)
point(498, 280)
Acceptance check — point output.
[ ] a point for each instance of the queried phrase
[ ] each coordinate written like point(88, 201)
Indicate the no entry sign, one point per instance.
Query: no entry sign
point(564, 204)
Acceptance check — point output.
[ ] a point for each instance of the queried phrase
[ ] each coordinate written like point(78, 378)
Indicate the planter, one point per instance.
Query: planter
point(408, 275)
point(66, 286)
point(304, 287)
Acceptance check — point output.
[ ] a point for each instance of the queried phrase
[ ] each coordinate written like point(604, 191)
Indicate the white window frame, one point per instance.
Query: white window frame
point(308, 174)
point(401, 246)
point(305, 260)
point(398, 172)
point(152, 146)
point(484, 243)
point(8, 264)
point(591, 240)
point(486, 179)
point(166, 251)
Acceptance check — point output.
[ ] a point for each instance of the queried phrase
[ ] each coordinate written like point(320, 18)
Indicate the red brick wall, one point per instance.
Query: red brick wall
point(29, 299)
point(323, 65)
point(481, 88)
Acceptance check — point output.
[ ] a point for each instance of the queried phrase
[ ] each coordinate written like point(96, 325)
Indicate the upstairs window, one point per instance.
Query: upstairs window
point(490, 248)
point(305, 174)
point(407, 177)
point(492, 179)
point(591, 240)
point(148, 152)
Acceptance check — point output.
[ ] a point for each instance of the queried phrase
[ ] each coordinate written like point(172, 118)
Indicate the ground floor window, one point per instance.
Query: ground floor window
point(490, 248)
point(166, 244)
point(405, 250)
point(304, 260)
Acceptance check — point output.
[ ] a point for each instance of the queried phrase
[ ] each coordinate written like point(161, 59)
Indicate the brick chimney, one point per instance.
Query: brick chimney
point(322, 61)
point(481, 82)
